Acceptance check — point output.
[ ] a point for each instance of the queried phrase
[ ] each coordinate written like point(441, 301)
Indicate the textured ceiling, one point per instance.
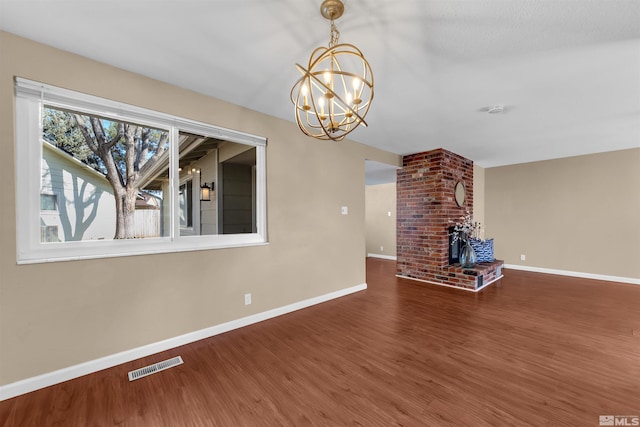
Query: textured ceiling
point(568, 72)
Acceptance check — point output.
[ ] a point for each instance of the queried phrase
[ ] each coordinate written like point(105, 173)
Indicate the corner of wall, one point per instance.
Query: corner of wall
point(478, 196)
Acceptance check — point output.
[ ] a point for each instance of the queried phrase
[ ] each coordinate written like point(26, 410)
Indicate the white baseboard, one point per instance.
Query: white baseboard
point(45, 380)
point(390, 257)
point(574, 274)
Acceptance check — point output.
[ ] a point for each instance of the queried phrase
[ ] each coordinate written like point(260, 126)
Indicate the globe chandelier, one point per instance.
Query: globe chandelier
point(335, 91)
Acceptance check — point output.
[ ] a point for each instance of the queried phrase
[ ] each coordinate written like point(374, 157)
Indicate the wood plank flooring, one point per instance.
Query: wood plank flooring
point(531, 349)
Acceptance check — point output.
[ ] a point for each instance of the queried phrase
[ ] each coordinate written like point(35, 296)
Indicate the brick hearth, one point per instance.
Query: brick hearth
point(426, 209)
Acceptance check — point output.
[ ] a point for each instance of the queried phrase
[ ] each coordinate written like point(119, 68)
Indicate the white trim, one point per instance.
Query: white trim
point(261, 193)
point(629, 280)
point(484, 285)
point(159, 245)
point(45, 380)
point(389, 257)
point(65, 98)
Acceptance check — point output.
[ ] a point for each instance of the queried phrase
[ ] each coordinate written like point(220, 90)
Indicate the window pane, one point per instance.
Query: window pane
point(228, 169)
point(198, 165)
point(111, 177)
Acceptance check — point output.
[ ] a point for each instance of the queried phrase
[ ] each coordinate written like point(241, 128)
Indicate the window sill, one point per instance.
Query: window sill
point(124, 248)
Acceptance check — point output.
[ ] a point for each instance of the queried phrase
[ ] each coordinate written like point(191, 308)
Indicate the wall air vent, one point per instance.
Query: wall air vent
point(156, 367)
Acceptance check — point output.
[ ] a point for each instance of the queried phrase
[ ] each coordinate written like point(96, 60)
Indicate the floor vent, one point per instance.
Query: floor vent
point(156, 367)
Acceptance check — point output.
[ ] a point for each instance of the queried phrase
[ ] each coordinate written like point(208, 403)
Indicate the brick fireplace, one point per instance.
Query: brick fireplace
point(426, 204)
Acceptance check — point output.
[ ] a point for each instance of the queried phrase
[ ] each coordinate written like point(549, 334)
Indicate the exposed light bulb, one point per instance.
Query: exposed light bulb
point(357, 84)
point(327, 77)
point(305, 91)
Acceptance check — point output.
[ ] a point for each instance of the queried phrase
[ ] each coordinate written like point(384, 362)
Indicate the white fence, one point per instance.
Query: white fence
point(147, 223)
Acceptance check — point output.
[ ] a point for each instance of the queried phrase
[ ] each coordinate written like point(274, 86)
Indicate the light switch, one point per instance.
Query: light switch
point(345, 210)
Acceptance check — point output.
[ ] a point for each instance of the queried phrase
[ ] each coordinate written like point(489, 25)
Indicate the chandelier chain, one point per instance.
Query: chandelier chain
point(334, 35)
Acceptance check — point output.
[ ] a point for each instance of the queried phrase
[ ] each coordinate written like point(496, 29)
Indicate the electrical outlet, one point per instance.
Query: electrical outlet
point(522, 257)
point(381, 248)
point(247, 299)
point(389, 213)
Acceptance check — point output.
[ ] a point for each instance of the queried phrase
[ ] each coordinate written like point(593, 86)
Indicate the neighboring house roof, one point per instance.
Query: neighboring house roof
point(63, 154)
point(147, 200)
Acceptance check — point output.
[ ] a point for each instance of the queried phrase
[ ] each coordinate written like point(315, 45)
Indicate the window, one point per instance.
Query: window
point(99, 178)
point(49, 218)
point(48, 202)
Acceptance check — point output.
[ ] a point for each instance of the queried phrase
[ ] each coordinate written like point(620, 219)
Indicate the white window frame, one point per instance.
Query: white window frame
point(31, 97)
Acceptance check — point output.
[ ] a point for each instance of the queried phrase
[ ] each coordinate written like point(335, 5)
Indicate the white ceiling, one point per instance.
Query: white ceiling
point(568, 72)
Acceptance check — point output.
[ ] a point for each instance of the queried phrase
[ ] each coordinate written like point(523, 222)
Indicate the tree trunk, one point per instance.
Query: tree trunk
point(125, 214)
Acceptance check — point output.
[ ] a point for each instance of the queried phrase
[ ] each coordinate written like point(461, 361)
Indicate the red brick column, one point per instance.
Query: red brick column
point(425, 207)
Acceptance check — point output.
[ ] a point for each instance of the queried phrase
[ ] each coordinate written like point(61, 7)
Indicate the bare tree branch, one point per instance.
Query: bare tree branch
point(98, 131)
point(163, 145)
point(82, 125)
point(118, 136)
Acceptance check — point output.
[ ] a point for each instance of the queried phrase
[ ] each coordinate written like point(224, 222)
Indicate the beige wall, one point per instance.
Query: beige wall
point(579, 214)
point(478, 197)
point(60, 314)
point(380, 227)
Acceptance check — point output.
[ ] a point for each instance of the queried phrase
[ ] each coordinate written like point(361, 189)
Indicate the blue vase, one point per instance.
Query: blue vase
point(467, 256)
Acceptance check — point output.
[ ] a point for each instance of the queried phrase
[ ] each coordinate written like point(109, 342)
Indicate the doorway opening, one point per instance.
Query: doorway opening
point(380, 210)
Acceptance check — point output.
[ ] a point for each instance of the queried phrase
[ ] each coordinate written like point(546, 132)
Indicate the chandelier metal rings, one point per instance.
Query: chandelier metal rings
point(335, 91)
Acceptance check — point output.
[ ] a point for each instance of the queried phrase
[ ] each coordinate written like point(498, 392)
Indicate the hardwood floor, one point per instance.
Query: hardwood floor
point(531, 349)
